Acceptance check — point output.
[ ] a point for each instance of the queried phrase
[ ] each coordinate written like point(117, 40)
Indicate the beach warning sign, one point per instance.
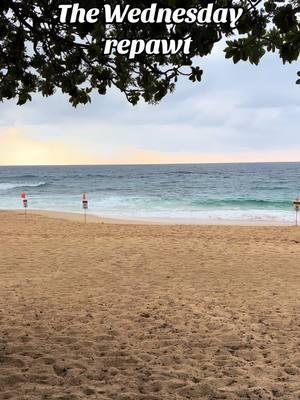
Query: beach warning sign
point(297, 208)
point(25, 202)
point(85, 205)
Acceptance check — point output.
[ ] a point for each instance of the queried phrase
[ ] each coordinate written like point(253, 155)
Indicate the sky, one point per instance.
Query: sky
point(239, 113)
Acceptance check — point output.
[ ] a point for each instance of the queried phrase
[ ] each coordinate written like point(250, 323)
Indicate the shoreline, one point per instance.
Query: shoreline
point(93, 218)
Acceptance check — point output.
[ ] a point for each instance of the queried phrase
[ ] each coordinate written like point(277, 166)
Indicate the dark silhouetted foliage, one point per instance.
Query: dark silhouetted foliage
point(40, 54)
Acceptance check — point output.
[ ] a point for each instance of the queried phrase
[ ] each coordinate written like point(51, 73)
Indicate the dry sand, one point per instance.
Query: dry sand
point(132, 312)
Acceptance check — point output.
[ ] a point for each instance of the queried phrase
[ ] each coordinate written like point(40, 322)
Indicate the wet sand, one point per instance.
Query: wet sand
point(147, 312)
point(79, 217)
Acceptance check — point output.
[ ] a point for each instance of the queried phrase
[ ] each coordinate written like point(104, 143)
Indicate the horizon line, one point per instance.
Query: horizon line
point(148, 164)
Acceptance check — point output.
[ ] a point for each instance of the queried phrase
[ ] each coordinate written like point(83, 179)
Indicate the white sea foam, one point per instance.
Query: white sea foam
point(9, 186)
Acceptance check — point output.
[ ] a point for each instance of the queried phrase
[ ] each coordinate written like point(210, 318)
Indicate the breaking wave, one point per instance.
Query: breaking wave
point(11, 186)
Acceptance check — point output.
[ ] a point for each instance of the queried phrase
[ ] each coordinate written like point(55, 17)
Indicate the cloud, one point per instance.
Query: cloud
point(239, 112)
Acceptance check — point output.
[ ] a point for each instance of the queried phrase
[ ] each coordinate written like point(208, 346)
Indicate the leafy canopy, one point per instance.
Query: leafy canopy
point(38, 53)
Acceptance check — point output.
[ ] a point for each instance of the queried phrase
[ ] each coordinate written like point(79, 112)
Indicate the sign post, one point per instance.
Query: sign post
point(85, 205)
point(25, 203)
point(297, 208)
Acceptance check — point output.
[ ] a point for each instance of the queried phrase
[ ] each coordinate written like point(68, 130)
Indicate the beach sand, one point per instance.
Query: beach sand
point(152, 312)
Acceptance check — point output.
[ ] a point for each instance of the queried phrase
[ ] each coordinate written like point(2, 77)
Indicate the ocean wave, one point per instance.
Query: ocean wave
point(109, 189)
point(244, 203)
point(179, 173)
point(10, 186)
point(18, 177)
point(27, 176)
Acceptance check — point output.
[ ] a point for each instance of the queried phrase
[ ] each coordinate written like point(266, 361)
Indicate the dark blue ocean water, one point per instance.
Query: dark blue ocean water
point(190, 192)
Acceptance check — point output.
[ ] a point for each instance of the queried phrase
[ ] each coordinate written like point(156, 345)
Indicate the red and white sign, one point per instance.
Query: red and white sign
point(24, 199)
point(85, 203)
point(297, 203)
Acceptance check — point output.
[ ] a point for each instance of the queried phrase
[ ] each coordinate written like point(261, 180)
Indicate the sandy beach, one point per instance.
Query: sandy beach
point(147, 312)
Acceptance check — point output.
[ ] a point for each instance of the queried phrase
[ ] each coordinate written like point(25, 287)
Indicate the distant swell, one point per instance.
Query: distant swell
point(241, 203)
point(28, 176)
point(21, 176)
point(180, 173)
point(10, 186)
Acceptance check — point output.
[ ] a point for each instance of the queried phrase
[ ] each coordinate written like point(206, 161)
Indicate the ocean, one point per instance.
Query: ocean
point(187, 193)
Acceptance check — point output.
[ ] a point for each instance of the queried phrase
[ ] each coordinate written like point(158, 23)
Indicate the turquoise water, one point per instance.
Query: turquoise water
point(187, 192)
